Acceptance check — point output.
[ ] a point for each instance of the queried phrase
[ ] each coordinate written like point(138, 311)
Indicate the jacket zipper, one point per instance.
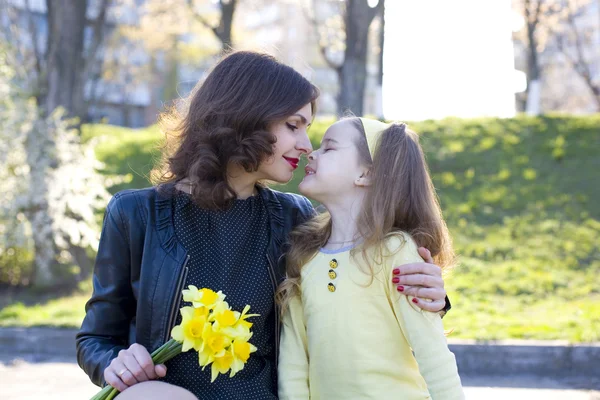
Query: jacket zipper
point(175, 302)
point(273, 282)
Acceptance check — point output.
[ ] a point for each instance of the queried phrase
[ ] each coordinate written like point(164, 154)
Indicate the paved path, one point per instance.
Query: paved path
point(59, 380)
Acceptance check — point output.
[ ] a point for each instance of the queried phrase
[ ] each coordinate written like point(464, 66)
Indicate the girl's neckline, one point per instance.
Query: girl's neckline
point(340, 250)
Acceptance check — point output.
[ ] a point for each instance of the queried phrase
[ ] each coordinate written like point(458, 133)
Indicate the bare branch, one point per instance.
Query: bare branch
point(537, 11)
point(201, 19)
point(11, 32)
point(34, 39)
point(323, 49)
point(578, 62)
point(532, 18)
point(98, 31)
point(581, 65)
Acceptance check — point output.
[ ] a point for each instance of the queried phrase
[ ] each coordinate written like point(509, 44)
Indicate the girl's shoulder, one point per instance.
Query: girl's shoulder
point(400, 245)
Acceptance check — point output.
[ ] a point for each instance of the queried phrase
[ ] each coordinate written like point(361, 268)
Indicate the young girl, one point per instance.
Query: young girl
point(210, 223)
point(347, 332)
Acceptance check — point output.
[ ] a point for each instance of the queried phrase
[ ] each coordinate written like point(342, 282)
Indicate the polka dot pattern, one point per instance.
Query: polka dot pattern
point(227, 252)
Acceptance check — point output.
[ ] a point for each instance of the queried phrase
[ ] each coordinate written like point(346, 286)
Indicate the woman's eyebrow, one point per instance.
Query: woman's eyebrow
point(302, 118)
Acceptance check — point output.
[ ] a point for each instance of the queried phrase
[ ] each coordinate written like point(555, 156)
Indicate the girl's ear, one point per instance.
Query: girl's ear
point(364, 179)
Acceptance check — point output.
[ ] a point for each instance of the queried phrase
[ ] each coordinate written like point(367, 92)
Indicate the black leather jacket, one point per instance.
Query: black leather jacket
point(140, 268)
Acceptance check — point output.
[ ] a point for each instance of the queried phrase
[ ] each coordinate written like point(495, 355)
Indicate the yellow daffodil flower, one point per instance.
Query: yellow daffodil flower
point(241, 352)
point(202, 297)
point(241, 329)
point(205, 356)
point(214, 340)
point(226, 318)
point(189, 332)
point(221, 364)
point(219, 335)
point(242, 320)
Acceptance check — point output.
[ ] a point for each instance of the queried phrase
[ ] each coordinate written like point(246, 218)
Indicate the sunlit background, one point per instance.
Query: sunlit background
point(435, 66)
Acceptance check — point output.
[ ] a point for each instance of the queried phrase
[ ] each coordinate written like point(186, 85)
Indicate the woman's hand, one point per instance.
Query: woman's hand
point(132, 366)
point(422, 280)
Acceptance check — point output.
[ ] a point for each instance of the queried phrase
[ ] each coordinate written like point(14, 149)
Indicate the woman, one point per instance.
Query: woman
point(211, 223)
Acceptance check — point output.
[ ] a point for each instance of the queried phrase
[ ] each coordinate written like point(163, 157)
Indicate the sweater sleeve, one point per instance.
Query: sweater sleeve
point(293, 356)
point(423, 330)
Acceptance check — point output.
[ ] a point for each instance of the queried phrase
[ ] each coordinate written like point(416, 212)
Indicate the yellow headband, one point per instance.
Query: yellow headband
point(373, 129)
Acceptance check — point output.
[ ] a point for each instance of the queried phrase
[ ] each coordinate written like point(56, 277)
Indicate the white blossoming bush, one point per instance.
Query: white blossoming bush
point(49, 190)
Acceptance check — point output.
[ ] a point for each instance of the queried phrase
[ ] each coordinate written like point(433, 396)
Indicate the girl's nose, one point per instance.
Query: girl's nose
point(311, 156)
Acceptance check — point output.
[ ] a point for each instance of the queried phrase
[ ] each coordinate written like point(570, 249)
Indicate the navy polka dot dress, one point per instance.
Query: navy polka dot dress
point(227, 252)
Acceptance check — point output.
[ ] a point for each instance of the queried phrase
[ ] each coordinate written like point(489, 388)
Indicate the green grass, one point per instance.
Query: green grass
point(63, 312)
point(127, 154)
point(520, 198)
point(60, 308)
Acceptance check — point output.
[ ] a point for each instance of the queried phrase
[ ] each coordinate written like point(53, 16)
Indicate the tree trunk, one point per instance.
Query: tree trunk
point(353, 72)
point(533, 74)
point(65, 63)
point(596, 92)
point(223, 31)
point(64, 85)
point(533, 95)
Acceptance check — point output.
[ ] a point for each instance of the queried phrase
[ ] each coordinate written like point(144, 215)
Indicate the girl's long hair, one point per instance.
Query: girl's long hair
point(401, 198)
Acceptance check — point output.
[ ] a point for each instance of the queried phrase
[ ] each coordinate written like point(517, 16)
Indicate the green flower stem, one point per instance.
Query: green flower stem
point(157, 353)
point(104, 393)
point(112, 394)
point(159, 356)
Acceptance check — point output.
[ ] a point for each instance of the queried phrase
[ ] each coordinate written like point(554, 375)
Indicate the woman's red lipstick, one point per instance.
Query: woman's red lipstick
point(292, 161)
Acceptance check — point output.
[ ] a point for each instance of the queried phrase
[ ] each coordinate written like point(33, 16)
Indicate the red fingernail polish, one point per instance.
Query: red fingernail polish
point(396, 271)
point(401, 288)
point(415, 300)
point(395, 279)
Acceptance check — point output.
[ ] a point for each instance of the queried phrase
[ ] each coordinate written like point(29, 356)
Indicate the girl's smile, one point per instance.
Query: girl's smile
point(309, 171)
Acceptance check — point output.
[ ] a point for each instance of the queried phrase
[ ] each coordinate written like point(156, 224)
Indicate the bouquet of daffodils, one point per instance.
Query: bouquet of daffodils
point(209, 326)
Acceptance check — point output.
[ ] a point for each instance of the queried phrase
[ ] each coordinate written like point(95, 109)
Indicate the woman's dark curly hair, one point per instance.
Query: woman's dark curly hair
point(226, 120)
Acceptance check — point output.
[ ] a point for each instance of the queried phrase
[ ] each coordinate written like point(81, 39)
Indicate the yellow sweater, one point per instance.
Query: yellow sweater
point(348, 339)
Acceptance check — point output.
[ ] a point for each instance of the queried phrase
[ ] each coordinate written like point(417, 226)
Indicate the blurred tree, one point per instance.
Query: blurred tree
point(557, 34)
point(223, 27)
point(176, 35)
point(576, 40)
point(347, 33)
point(61, 181)
point(67, 62)
point(49, 189)
point(532, 11)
